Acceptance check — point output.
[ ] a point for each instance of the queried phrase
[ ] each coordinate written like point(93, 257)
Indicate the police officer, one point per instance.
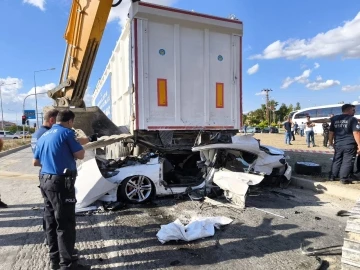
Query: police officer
point(346, 130)
point(49, 121)
point(55, 152)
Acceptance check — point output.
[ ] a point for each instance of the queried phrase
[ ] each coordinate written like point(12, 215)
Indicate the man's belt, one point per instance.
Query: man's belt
point(53, 176)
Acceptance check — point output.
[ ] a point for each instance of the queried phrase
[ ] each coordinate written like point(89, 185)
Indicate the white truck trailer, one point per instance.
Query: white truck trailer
point(172, 74)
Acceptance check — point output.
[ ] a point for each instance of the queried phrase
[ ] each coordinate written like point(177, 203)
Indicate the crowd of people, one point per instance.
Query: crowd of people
point(342, 135)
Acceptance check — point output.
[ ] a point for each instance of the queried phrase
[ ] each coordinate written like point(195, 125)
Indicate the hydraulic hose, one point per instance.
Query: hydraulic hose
point(118, 3)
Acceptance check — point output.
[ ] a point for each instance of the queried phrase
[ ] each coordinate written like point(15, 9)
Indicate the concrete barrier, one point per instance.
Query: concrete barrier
point(14, 150)
point(320, 157)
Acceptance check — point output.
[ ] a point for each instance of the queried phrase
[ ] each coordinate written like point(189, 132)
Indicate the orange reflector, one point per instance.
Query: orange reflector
point(162, 92)
point(219, 95)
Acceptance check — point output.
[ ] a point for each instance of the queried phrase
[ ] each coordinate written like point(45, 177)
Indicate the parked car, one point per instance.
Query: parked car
point(236, 163)
point(253, 130)
point(8, 135)
point(270, 130)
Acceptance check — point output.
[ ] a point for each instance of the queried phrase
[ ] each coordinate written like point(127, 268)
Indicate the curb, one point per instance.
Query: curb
point(11, 151)
point(345, 191)
point(309, 151)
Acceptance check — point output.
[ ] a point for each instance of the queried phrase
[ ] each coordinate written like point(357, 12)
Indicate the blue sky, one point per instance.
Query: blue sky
point(305, 51)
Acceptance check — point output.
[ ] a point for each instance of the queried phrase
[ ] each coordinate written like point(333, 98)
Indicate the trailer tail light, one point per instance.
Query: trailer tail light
point(219, 95)
point(162, 92)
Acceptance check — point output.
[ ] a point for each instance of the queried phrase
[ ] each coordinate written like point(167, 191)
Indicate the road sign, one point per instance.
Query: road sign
point(30, 114)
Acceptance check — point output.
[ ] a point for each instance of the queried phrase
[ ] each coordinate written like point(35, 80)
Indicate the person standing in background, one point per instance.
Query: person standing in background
point(287, 126)
point(326, 130)
point(302, 128)
point(309, 131)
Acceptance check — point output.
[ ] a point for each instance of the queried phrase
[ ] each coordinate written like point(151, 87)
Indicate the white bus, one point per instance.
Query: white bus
point(320, 112)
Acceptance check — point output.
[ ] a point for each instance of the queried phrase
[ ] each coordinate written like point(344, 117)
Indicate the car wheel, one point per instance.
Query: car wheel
point(307, 168)
point(136, 189)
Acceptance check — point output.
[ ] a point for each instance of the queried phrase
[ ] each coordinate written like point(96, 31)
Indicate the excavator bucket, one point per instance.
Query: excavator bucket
point(91, 120)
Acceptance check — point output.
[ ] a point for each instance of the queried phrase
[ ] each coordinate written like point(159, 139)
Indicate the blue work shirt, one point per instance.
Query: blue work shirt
point(55, 150)
point(36, 136)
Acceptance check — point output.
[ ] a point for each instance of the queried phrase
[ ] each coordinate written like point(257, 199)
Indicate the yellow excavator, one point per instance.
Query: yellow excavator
point(84, 31)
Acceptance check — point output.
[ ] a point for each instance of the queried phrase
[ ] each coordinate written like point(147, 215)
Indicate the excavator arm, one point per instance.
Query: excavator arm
point(84, 31)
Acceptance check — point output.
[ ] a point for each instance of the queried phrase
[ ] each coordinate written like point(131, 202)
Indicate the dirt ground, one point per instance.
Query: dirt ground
point(11, 143)
point(278, 140)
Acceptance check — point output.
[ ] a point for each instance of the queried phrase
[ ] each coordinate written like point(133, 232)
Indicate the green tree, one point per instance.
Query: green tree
point(297, 107)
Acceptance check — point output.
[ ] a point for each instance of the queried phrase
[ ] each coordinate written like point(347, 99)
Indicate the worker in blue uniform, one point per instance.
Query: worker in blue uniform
point(56, 152)
point(344, 136)
point(49, 121)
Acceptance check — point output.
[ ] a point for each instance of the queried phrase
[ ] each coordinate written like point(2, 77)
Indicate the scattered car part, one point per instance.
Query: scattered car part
point(307, 168)
point(319, 251)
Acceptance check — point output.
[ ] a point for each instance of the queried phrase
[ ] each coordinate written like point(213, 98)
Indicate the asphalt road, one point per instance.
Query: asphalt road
point(126, 239)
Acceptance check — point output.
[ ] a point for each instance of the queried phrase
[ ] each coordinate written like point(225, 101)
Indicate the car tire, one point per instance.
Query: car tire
point(126, 189)
point(307, 168)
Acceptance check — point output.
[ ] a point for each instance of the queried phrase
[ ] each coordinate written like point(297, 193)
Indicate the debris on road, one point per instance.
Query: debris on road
point(196, 229)
point(320, 251)
point(269, 212)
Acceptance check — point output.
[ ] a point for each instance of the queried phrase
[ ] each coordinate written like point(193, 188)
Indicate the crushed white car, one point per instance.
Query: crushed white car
point(233, 166)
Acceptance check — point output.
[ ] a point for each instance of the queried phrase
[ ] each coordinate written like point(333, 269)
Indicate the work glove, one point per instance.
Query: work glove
point(93, 138)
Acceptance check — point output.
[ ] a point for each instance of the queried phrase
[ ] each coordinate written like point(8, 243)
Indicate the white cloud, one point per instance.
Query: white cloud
point(319, 84)
point(322, 85)
point(120, 13)
point(37, 3)
point(253, 69)
point(343, 40)
point(13, 98)
point(262, 93)
point(350, 88)
point(303, 78)
point(42, 89)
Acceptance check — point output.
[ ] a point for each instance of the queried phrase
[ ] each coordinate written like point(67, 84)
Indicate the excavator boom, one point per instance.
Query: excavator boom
point(86, 25)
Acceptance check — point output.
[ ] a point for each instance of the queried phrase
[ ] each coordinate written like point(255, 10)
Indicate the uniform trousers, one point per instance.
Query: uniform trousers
point(59, 219)
point(342, 165)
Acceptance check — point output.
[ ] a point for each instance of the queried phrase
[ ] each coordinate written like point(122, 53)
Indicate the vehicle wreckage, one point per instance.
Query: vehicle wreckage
point(231, 165)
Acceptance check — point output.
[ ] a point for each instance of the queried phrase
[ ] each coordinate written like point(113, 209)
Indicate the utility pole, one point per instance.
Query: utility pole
point(267, 103)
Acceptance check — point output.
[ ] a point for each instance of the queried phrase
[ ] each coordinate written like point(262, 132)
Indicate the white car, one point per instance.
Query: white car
point(8, 135)
point(231, 165)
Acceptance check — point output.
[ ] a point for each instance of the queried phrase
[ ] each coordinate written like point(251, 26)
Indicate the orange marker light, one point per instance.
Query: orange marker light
point(219, 95)
point(162, 92)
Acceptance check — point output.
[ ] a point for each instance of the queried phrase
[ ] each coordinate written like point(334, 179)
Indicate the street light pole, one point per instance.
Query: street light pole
point(36, 107)
point(2, 113)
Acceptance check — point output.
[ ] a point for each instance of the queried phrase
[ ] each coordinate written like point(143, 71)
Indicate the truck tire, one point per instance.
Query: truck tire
point(307, 168)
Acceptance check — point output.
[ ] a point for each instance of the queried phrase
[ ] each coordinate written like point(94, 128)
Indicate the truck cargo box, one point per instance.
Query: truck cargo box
point(173, 69)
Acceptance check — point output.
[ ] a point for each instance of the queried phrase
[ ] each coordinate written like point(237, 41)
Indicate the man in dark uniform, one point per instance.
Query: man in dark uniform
point(56, 151)
point(326, 131)
point(346, 130)
point(287, 127)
